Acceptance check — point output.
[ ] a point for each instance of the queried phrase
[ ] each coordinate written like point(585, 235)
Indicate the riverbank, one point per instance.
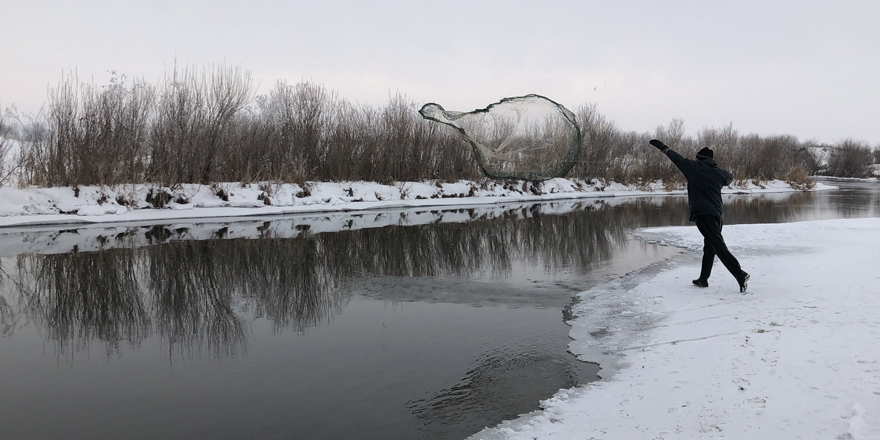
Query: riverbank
point(796, 357)
point(131, 203)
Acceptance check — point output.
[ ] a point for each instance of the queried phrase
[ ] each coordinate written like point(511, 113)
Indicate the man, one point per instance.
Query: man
point(705, 208)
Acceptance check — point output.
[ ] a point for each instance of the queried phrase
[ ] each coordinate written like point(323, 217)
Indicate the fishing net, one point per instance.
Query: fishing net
point(527, 137)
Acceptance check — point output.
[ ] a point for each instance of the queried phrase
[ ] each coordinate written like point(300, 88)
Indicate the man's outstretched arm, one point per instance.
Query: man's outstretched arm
point(683, 164)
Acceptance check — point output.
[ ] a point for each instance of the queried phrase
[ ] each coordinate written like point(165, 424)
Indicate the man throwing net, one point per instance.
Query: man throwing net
point(706, 209)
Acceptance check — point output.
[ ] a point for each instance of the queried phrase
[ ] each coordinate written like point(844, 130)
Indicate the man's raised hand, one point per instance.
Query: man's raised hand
point(657, 144)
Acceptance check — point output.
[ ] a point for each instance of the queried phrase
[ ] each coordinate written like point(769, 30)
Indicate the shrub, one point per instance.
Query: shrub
point(192, 136)
point(158, 198)
point(850, 159)
point(799, 178)
point(207, 125)
point(600, 136)
point(95, 135)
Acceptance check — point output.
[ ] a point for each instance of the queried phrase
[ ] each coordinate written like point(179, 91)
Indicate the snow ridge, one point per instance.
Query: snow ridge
point(94, 204)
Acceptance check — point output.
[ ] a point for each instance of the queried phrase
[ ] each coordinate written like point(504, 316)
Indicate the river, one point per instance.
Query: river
point(428, 323)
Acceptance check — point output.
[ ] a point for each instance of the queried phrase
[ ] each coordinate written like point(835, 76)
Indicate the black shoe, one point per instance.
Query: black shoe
point(700, 283)
point(743, 280)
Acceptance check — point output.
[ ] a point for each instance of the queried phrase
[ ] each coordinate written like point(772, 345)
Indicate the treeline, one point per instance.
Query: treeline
point(621, 156)
point(209, 125)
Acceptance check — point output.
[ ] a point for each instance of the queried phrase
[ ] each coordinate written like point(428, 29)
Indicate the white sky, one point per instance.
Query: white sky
point(800, 67)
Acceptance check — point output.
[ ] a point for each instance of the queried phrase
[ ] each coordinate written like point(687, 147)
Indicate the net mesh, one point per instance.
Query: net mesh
point(527, 137)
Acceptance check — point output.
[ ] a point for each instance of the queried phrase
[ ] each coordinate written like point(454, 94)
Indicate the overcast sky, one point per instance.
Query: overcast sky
point(800, 67)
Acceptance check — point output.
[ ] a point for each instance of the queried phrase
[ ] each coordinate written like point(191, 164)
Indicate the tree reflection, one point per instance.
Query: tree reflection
point(193, 307)
point(197, 295)
point(861, 202)
point(7, 318)
point(286, 281)
point(772, 208)
point(80, 297)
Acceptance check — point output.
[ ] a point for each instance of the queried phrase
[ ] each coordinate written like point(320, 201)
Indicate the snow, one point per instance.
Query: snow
point(127, 203)
point(797, 357)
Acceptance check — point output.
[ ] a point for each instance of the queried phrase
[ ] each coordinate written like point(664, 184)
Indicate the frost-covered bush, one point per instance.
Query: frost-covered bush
point(208, 125)
point(850, 159)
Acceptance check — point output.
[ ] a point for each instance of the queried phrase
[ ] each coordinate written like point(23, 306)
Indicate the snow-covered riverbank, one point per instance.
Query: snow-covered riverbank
point(797, 357)
point(126, 203)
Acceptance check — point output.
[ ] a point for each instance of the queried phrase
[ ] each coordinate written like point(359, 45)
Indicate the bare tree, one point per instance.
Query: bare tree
point(850, 159)
point(7, 161)
point(207, 125)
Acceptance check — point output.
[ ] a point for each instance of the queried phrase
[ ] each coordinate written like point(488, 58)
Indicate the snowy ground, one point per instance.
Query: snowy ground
point(126, 203)
point(797, 357)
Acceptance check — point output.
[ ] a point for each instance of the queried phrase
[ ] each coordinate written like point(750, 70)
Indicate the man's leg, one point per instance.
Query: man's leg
point(708, 260)
point(710, 227)
point(706, 269)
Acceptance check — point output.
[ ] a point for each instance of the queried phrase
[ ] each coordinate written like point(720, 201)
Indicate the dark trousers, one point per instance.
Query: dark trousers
point(713, 244)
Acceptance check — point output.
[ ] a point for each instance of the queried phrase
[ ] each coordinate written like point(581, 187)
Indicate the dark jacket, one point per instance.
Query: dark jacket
point(705, 181)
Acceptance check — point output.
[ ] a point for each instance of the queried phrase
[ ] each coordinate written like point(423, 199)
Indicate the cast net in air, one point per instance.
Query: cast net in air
point(526, 137)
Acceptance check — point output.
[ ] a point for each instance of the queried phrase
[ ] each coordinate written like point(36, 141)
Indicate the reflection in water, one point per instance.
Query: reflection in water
point(862, 200)
point(577, 238)
point(7, 318)
point(193, 293)
point(80, 297)
point(192, 305)
point(283, 280)
point(775, 208)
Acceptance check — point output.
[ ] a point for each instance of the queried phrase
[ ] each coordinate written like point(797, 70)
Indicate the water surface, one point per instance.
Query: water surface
point(390, 324)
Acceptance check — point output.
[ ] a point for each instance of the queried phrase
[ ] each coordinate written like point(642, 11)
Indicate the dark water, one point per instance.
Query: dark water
point(394, 324)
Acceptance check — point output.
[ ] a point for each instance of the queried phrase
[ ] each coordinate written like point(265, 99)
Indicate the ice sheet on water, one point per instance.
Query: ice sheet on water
point(527, 137)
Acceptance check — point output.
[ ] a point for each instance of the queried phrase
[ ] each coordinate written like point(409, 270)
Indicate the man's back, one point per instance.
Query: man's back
point(705, 181)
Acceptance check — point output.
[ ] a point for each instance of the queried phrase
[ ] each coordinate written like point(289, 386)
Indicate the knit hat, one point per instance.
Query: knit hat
point(705, 153)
